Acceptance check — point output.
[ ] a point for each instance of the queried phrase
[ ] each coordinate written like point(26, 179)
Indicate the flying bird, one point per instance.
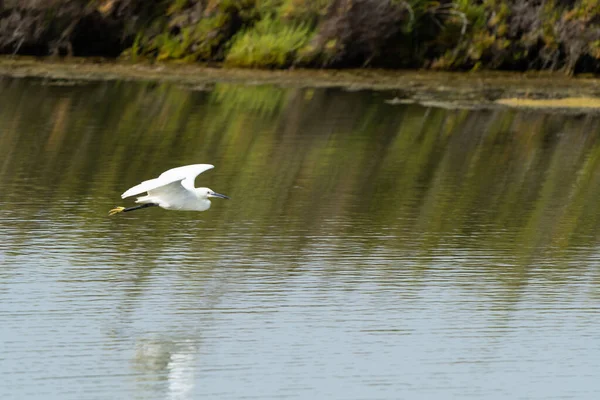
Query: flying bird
point(172, 190)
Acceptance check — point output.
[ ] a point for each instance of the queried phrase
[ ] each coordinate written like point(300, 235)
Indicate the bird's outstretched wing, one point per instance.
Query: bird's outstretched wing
point(186, 174)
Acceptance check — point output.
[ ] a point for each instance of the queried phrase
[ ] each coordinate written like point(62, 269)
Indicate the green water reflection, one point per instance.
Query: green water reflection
point(513, 184)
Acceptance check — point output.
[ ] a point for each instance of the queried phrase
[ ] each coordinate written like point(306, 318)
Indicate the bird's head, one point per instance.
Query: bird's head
point(206, 193)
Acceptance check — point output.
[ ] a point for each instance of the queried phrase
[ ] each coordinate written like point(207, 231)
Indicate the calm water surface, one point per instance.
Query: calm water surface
point(369, 251)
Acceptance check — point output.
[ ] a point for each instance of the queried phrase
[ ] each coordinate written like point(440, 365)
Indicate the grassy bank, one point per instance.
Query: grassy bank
point(446, 34)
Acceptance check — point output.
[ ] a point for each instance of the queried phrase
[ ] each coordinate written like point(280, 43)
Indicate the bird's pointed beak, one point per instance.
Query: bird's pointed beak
point(222, 196)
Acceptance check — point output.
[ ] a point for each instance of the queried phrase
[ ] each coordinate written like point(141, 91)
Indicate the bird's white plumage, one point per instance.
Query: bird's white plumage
point(172, 182)
point(173, 190)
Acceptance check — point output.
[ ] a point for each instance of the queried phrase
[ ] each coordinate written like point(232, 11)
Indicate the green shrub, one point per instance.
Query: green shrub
point(269, 43)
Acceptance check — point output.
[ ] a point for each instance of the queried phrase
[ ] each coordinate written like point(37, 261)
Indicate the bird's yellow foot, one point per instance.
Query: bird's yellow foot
point(116, 210)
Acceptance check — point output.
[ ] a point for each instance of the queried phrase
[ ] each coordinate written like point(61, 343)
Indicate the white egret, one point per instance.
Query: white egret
point(173, 190)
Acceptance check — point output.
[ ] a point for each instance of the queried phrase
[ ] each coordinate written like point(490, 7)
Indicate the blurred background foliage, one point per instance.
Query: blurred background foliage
point(444, 34)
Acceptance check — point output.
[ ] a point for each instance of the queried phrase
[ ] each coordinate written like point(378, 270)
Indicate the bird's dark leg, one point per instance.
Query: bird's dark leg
point(138, 207)
point(123, 209)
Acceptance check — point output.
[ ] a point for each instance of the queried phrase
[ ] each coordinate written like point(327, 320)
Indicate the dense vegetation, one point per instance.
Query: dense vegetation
point(444, 34)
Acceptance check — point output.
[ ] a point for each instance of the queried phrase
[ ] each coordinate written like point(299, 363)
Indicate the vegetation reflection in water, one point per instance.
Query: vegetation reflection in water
point(320, 180)
point(511, 184)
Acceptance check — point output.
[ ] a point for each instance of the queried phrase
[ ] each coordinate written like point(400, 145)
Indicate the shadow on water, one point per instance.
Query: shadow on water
point(343, 208)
